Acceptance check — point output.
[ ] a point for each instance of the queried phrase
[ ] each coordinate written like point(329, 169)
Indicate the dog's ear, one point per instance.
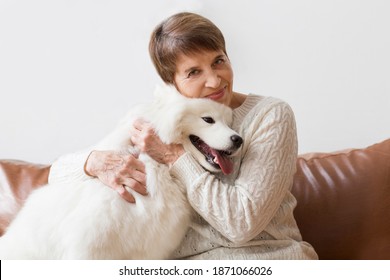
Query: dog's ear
point(167, 114)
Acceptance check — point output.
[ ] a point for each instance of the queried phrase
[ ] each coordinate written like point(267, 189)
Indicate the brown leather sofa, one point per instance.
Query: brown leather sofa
point(343, 199)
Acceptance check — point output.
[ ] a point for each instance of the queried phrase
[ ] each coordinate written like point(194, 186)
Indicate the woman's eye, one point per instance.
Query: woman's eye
point(192, 73)
point(219, 61)
point(208, 119)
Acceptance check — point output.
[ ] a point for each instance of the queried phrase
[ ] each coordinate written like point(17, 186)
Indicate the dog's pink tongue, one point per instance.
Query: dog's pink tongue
point(225, 163)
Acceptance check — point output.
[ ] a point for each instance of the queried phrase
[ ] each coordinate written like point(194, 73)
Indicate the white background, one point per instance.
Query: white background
point(70, 69)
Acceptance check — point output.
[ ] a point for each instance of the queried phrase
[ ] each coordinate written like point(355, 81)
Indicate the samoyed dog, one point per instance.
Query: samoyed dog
point(87, 220)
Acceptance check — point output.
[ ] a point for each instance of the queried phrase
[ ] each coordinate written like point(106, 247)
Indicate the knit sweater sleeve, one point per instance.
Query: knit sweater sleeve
point(70, 167)
point(242, 209)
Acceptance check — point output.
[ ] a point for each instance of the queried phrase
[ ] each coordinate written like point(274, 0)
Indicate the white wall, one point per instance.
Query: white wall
point(70, 69)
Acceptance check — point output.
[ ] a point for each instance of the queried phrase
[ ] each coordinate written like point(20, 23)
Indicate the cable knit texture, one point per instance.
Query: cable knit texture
point(248, 214)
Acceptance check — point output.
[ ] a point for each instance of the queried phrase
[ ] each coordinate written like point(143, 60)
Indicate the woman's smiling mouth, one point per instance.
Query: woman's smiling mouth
point(217, 95)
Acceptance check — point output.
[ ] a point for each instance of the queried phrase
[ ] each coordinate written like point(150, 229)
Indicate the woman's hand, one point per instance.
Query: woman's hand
point(118, 170)
point(146, 140)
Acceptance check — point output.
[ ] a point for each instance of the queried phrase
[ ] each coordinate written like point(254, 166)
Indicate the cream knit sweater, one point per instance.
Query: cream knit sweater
point(248, 214)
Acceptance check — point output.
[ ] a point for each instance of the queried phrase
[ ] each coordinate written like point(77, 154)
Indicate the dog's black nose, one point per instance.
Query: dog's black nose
point(237, 140)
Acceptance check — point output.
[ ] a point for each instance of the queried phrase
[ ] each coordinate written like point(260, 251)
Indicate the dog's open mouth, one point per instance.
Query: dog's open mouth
point(218, 159)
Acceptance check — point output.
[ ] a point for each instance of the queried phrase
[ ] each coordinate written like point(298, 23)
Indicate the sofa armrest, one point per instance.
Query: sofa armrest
point(17, 180)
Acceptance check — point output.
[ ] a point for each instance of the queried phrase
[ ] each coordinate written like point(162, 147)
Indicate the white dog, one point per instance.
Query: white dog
point(87, 220)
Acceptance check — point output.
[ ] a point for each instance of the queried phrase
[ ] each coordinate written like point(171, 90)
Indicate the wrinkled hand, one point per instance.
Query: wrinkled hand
point(146, 140)
point(118, 170)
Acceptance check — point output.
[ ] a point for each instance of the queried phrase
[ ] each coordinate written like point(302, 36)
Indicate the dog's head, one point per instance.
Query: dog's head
point(202, 126)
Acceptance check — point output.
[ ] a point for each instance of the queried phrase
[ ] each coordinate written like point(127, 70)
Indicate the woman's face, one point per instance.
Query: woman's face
point(205, 74)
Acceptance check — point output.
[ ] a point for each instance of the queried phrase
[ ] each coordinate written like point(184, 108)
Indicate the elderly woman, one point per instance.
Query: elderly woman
point(245, 215)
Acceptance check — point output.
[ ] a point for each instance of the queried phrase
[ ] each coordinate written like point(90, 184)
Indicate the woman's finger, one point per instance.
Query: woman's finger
point(139, 176)
point(136, 186)
point(140, 167)
point(133, 163)
point(140, 124)
point(121, 190)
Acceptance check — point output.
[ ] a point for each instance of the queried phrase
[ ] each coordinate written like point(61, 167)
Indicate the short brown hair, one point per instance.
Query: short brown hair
point(183, 33)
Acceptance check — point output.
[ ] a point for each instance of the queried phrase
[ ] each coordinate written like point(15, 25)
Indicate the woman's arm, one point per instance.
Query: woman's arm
point(105, 161)
point(70, 167)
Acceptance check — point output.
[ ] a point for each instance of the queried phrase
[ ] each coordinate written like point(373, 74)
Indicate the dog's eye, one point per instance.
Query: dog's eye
point(208, 119)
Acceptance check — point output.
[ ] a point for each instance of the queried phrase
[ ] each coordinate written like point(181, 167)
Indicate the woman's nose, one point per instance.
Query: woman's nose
point(212, 79)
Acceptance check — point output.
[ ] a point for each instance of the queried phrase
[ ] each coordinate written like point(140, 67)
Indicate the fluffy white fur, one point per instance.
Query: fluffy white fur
point(87, 220)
